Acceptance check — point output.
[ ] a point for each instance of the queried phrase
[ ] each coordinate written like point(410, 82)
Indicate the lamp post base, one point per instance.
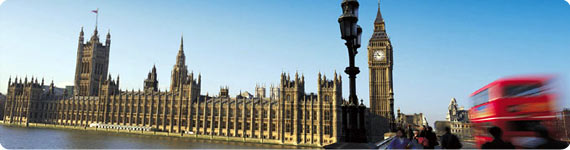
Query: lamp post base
point(353, 123)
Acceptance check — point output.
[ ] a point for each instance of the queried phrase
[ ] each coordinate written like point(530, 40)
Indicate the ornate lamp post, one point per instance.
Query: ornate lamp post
point(353, 113)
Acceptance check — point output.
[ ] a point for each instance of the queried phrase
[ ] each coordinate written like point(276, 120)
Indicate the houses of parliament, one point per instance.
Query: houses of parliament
point(284, 115)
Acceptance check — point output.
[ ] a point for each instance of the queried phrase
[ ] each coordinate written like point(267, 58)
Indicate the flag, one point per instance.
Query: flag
point(95, 11)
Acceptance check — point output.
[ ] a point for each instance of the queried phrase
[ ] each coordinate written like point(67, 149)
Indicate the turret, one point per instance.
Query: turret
point(81, 39)
point(296, 77)
point(95, 36)
point(51, 88)
point(199, 79)
point(108, 39)
point(224, 91)
point(151, 82)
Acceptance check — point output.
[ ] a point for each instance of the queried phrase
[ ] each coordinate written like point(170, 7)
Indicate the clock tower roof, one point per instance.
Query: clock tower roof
point(379, 18)
point(379, 29)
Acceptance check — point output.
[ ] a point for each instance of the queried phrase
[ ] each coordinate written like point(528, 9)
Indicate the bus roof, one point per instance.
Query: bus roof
point(516, 79)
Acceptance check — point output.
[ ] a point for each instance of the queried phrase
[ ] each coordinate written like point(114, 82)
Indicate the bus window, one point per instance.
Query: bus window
point(480, 98)
point(522, 90)
point(525, 125)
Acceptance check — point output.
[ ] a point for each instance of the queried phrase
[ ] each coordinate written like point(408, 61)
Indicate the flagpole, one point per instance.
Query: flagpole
point(96, 18)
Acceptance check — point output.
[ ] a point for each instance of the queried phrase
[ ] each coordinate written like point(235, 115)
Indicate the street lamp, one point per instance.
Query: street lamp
point(351, 32)
point(352, 113)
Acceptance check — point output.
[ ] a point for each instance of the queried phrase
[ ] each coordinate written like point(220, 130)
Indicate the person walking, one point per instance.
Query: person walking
point(410, 132)
point(422, 137)
point(450, 141)
point(432, 138)
point(400, 141)
point(497, 142)
point(414, 144)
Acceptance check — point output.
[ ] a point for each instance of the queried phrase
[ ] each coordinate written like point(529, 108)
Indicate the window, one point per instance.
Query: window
point(522, 90)
point(480, 98)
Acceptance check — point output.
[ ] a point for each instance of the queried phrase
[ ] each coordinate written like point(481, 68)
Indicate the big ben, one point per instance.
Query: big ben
point(380, 64)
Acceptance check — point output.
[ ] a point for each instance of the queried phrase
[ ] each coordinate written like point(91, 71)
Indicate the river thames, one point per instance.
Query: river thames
point(48, 138)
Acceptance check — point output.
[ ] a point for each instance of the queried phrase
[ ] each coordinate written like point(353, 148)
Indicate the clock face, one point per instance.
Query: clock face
point(378, 55)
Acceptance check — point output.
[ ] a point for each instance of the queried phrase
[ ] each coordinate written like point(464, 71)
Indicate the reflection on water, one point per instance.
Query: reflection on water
point(36, 138)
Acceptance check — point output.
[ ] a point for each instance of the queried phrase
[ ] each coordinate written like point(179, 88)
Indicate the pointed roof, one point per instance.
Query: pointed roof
point(180, 58)
point(379, 18)
point(379, 33)
point(181, 43)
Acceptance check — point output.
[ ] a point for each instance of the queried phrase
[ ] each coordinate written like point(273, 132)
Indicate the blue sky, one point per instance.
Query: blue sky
point(442, 49)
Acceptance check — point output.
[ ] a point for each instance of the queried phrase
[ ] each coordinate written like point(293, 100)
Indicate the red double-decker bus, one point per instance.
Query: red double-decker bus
point(516, 105)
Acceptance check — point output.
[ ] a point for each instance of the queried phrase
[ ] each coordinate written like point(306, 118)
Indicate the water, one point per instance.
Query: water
point(43, 138)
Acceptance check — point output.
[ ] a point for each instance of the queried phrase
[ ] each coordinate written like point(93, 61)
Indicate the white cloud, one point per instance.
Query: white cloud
point(2, 1)
point(568, 2)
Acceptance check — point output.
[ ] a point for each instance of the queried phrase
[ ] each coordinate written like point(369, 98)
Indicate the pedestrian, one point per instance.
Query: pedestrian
point(400, 141)
point(432, 138)
point(414, 144)
point(422, 137)
point(410, 132)
point(497, 142)
point(450, 141)
point(549, 143)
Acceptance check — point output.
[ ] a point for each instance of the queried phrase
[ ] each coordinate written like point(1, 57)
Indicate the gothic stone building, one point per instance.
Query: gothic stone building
point(457, 119)
point(288, 116)
point(414, 120)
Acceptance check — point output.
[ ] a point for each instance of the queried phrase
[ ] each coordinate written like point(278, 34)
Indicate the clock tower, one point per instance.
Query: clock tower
point(380, 63)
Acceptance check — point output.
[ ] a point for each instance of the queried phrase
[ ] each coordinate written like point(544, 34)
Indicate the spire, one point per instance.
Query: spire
point(95, 33)
point(95, 36)
point(379, 18)
point(81, 32)
point(81, 39)
point(108, 39)
point(181, 43)
point(180, 58)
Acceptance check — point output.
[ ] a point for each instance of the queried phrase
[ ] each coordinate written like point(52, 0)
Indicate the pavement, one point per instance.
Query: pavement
point(466, 145)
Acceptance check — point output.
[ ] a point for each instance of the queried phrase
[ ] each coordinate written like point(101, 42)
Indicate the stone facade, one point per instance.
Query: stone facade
point(415, 120)
point(380, 64)
point(92, 64)
point(287, 116)
point(456, 113)
point(459, 120)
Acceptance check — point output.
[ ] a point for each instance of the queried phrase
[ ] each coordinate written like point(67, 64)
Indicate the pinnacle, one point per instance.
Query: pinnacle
point(181, 43)
point(379, 18)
